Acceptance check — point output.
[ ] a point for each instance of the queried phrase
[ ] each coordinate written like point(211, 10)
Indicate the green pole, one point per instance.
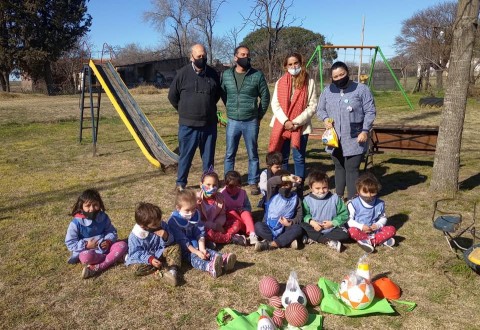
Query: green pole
point(318, 50)
point(395, 78)
point(320, 66)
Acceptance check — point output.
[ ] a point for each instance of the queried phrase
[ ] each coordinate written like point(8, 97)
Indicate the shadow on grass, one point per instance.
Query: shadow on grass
point(470, 183)
point(70, 193)
point(398, 220)
point(410, 162)
point(400, 181)
point(424, 115)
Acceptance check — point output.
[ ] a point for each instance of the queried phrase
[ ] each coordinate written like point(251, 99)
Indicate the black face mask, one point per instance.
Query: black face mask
point(341, 83)
point(200, 62)
point(285, 192)
point(244, 62)
point(90, 215)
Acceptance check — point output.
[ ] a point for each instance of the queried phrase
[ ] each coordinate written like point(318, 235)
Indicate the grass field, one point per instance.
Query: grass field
point(43, 168)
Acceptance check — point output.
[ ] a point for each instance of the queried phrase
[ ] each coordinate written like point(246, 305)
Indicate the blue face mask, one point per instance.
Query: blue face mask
point(209, 192)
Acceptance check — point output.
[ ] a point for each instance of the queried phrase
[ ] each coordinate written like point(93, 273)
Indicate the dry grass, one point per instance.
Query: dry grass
point(44, 168)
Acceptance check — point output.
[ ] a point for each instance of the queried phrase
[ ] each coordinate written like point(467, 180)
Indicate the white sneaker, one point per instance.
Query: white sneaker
point(294, 245)
point(366, 245)
point(389, 242)
point(253, 239)
point(335, 245)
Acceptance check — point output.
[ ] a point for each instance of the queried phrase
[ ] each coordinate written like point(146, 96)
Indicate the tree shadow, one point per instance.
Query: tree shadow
point(398, 220)
point(411, 162)
point(425, 115)
point(470, 183)
point(400, 181)
point(39, 199)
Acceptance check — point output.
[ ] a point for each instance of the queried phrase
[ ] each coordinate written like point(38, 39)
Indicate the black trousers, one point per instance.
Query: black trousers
point(337, 234)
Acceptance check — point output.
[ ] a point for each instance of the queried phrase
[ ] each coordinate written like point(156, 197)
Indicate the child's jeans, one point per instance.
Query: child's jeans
point(201, 264)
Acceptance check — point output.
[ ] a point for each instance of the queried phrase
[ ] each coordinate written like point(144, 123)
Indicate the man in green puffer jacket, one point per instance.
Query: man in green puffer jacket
point(242, 86)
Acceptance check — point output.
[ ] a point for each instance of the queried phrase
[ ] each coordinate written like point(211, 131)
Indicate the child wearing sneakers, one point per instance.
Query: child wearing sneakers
point(324, 214)
point(283, 214)
point(274, 162)
point(151, 247)
point(367, 217)
point(211, 204)
point(189, 232)
point(91, 237)
point(238, 207)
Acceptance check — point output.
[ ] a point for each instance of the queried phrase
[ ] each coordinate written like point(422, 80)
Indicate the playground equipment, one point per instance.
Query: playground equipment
point(319, 53)
point(146, 137)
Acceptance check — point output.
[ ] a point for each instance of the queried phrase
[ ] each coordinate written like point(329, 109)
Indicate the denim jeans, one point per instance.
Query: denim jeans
point(189, 139)
point(298, 156)
point(249, 130)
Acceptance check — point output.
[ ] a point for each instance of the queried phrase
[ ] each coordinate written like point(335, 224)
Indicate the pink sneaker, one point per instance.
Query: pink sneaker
point(229, 260)
point(215, 266)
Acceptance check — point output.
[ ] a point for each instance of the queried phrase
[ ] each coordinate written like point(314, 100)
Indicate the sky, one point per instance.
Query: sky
point(120, 22)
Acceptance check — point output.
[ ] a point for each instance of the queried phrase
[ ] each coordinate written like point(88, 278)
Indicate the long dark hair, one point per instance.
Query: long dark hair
point(91, 195)
point(302, 78)
point(338, 64)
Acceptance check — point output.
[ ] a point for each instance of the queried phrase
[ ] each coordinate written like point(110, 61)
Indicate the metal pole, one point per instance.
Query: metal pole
point(361, 50)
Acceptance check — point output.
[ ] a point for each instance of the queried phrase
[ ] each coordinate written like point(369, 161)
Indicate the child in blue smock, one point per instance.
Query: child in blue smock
point(91, 237)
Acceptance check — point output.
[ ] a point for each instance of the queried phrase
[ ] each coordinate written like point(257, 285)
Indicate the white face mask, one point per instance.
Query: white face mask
point(295, 71)
point(321, 196)
point(186, 216)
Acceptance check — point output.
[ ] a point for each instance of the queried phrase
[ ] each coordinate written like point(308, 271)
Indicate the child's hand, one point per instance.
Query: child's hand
point(316, 225)
point(91, 244)
point(105, 245)
point(285, 222)
point(373, 227)
point(296, 179)
point(202, 254)
point(366, 229)
point(162, 233)
point(327, 224)
point(156, 263)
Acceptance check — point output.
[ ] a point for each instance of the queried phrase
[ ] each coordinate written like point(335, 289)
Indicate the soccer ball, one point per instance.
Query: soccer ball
point(356, 292)
point(293, 295)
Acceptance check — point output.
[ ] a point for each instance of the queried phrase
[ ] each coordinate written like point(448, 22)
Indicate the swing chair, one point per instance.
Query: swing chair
point(449, 218)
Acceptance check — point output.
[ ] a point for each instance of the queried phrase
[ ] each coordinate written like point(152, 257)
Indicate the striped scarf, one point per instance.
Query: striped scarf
point(292, 107)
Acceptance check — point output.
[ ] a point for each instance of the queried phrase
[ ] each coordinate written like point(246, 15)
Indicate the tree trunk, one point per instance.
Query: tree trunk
point(48, 78)
point(447, 155)
point(3, 83)
point(426, 86)
point(439, 80)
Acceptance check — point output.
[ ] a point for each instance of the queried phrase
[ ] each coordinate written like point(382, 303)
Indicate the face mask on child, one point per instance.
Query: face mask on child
point(369, 200)
point(320, 196)
point(285, 192)
point(90, 215)
point(209, 192)
point(186, 215)
point(232, 190)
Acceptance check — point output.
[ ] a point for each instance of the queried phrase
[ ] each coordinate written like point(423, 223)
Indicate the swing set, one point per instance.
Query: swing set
point(361, 77)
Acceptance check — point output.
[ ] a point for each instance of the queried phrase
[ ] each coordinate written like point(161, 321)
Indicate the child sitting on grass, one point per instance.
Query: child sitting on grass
point(274, 162)
point(189, 232)
point(238, 207)
point(211, 205)
point(324, 214)
point(91, 237)
point(283, 214)
point(367, 217)
point(151, 247)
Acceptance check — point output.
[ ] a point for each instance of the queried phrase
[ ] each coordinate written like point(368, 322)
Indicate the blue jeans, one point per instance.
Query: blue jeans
point(189, 139)
point(298, 156)
point(289, 234)
point(249, 130)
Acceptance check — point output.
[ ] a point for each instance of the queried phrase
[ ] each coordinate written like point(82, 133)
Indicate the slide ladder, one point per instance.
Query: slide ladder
point(147, 138)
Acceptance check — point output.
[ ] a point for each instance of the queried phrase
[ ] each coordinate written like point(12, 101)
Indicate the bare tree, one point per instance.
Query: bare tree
point(176, 14)
point(427, 37)
point(272, 15)
point(447, 156)
point(205, 13)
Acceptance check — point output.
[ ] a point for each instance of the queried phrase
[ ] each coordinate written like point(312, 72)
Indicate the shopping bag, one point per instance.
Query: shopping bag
point(332, 304)
point(330, 138)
